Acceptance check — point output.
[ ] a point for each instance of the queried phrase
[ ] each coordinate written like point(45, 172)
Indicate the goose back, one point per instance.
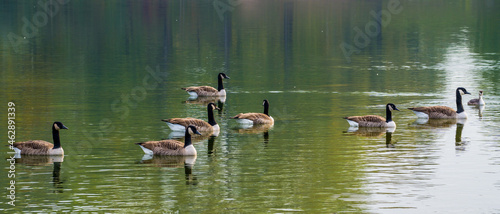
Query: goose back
point(256, 118)
point(165, 147)
point(437, 112)
point(200, 125)
point(34, 147)
point(203, 91)
point(368, 121)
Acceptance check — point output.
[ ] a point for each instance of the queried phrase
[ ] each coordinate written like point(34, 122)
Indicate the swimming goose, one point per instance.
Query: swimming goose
point(40, 147)
point(477, 102)
point(208, 91)
point(256, 118)
point(180, 124)
point(374, 120)
point(442, 112)
point(171, 147)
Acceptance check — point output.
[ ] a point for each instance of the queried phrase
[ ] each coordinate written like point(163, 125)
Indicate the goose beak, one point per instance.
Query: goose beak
point(64, 127)
point(197, 132)
point(227, 77)
point(467, 92)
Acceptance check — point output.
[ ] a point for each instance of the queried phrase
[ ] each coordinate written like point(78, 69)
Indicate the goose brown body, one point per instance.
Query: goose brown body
point(437, 112)
point(201, 125)
point(34, 147)
point(368, 120)
point(257, 118)
point(41, 147)
point(203, 91)
point(165, 147)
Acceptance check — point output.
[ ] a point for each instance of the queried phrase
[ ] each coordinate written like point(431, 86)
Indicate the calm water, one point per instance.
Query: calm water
point(111, 70)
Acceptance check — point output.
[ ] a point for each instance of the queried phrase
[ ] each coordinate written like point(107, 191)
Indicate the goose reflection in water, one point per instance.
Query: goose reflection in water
point(210, 148)
point(480, 110)
point(438, 123)
point(459, 142)
point(446, 123)
point(255, 129)
point(173, 162)
point(204, 101)
point(56, 161)
point(374, 132)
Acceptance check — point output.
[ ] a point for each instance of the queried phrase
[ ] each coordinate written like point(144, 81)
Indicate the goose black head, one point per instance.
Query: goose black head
point(462, 90)
point(480, 93)
point(192, 130)
point(265, 102)
point(59, 125)
point(223, 75)
point(392, 107)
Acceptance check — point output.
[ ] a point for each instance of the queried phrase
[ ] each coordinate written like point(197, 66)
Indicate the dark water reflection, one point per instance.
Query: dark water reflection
point(112, 70)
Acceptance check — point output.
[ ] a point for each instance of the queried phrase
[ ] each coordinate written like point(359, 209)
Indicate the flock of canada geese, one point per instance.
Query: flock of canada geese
point(192, 126)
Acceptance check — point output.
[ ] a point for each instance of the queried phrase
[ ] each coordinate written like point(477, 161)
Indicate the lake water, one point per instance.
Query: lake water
point(111, 70)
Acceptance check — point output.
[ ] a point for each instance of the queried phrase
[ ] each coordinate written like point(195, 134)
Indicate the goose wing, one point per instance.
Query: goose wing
point(162, 145)
point(201, 125)
point(436, 111)
point(257, 118)
point(202, 90)
point(366, 119)
point(34, 147)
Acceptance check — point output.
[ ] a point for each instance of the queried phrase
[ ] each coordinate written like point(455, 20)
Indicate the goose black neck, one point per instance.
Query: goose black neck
point(460, 107)
point(187, 138)
point(220, 84)
point(211, 119)
point(388, 114)
point(55, 137)
point(266, 108)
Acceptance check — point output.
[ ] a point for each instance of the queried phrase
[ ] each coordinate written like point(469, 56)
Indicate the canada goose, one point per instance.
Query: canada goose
point(40, 147)
point(256, 118)
point(442, 112)
point(208, 91)
point(180, 124)
point(374, 120)
point(477, 102)
point(171, 147)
